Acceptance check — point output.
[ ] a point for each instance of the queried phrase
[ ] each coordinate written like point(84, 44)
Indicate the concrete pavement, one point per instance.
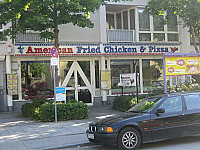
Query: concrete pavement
point(18, 133)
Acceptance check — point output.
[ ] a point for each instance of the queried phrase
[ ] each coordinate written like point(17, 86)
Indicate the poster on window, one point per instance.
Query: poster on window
point(128, 79)
point(105, 80)
point(12, 84)
point(182, 65)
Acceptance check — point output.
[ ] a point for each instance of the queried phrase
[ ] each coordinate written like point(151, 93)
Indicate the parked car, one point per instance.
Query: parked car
point(154, 119)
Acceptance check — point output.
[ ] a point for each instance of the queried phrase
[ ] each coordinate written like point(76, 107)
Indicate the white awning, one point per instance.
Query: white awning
point(2, 58)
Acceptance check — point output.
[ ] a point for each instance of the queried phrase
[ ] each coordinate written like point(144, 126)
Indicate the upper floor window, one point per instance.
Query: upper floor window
point(119, 24)
point(172, 22)
point(158, 24)
point(110, 22)
point(144, 21)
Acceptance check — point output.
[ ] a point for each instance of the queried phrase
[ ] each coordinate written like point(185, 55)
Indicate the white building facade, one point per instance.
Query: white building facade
point(125, 40)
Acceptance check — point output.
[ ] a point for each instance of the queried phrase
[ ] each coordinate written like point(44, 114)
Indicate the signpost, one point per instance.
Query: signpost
point(54, 62)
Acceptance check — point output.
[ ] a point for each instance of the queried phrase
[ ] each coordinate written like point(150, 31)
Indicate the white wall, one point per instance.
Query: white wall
point(73, 34)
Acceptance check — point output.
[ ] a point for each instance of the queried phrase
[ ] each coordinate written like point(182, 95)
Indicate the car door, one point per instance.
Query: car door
point(192, 113)
point(171, 123)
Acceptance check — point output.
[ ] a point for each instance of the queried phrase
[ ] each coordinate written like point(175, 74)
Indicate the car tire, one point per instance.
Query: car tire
point(128, 139)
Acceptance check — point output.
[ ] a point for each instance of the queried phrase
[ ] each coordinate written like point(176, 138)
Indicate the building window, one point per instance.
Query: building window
point(125, 20)
point(144, 21)
point(119, 24)
point(173, 37)
point(132, 19)
point(122, 67)
point(158, 23)
point(172, 22)
point(152, 75)
point(196, 40)
point(158, 37)
point(145, 37)
point(110, 23)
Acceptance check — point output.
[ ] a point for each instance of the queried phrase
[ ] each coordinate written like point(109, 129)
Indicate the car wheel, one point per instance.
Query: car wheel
point(129, 139)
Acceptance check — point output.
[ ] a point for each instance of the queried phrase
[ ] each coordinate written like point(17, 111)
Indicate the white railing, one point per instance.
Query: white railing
point(28, 37)
point(119, 35)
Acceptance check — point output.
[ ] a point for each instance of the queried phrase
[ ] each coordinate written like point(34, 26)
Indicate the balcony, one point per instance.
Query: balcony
point(29, 36)
point(119, 35)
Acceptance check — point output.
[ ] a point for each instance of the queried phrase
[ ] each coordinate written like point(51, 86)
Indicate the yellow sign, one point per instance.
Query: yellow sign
point(12, 84)
point(182, 65)
point(105, 80)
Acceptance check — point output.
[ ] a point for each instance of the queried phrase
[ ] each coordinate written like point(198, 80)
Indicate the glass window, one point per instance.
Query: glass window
point(119, 23)
point(144, 21)
point(122, 67)
point(172, 22)
point(158, 23)
point(158, 37)
point(132, 19)
point(173, 37)
point(172, 104)
point(145, 36)
point(110, 21)
point(192, 101)
point(152, 75)
point(97, 74)
point(125, 20)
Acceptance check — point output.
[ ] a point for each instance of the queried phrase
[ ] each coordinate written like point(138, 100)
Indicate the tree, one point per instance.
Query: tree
point(46, 15)
point(187, 10)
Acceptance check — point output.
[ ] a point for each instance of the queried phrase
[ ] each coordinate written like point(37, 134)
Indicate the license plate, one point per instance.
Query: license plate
point(91, 136)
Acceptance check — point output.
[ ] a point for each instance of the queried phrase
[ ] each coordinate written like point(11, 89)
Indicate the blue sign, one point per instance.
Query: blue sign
point(60, 90)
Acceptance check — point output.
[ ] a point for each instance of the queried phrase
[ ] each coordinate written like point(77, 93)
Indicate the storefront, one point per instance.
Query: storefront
point(81, 66)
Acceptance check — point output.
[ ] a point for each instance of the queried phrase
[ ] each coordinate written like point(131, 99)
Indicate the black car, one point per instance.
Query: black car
point(154, 119)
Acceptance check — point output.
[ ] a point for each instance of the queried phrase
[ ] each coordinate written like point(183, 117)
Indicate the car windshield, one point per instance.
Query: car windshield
point(146, 105)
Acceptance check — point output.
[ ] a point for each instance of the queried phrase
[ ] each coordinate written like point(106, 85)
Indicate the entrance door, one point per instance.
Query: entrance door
point(82, 87)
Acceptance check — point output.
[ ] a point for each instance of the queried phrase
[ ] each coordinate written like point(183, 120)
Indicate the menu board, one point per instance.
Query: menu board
point(182, 65)
point(105, 80)
point(12, 84)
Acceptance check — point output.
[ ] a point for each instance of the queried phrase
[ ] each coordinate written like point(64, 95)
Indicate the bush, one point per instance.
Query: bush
point(38, 110)
point(124, 103)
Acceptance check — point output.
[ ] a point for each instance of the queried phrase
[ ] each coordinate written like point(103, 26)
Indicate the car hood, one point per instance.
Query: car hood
point(115, 118)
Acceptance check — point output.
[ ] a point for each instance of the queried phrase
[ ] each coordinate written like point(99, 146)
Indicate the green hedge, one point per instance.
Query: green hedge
point(125, 102)
point(46, 112)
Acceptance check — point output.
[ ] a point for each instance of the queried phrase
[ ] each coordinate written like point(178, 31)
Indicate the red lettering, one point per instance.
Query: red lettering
point(46, 50)
point(69, 50)
point(29, 50)
point(38, 50)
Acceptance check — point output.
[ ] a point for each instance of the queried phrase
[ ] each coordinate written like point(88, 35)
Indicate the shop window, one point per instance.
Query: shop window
point(132, 19)
point(144, 21)
point(145, 36)
point(125, 20)
point(158, 37)
point(119, 24)
point(173, 37)
point(122, 67)
point(158, 24)
point(110, 24)
point(152, 75)
point(97, 79)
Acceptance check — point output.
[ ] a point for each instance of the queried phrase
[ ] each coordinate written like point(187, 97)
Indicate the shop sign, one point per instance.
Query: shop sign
point(128, 79)
point(61, 94)
point(182, 65)
point(93, 49)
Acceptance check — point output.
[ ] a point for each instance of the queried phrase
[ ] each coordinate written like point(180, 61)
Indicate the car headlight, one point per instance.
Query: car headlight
point(105, 129)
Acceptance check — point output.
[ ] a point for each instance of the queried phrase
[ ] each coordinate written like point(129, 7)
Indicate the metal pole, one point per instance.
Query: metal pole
point(54, 82)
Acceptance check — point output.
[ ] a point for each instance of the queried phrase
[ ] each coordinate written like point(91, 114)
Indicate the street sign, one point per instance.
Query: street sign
point(54, 61)
point(54, 52)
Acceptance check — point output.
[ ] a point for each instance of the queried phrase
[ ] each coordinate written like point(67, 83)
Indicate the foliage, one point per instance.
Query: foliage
point(46, 112)
point(35, 91)
point(125, 102)
point(187, 10)
point(184, 87)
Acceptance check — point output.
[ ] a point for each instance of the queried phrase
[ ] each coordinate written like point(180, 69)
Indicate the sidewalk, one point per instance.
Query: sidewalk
point(18, 133)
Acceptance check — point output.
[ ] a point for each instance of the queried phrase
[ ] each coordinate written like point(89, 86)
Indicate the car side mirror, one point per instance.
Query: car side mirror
point(160, 111)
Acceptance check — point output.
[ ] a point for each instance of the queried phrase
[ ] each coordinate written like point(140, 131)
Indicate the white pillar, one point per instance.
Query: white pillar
point(102, 25)
point(141, 75)
point(103, 92)
point(8, 71)
point(92, 74)
point(76, 83)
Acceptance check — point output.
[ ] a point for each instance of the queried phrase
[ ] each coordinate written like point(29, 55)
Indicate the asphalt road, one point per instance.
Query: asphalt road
point(188, 143)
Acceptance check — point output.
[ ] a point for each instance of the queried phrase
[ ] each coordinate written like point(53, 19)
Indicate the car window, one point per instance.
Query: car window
point(172, 104)
point(192, 101)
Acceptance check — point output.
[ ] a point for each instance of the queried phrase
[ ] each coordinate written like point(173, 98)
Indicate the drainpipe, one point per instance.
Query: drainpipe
point(8, 71)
